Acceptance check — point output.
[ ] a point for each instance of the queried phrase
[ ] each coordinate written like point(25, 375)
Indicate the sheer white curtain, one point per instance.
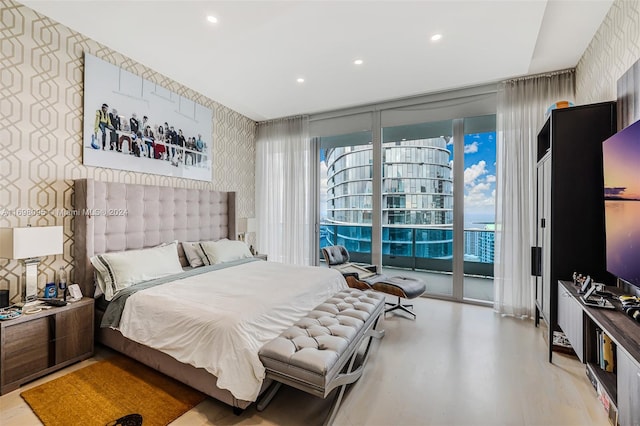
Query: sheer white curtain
point(284, 199)
point(521, 107)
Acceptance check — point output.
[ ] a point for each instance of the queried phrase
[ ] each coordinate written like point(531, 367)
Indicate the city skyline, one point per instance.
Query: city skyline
point(479, 180)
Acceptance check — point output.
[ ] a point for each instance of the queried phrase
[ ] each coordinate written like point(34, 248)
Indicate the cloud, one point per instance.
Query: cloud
point(615, 191)
point(480, 193)
point(474, 172)
point(481, 187)
point(472, 148)
point(475, 199)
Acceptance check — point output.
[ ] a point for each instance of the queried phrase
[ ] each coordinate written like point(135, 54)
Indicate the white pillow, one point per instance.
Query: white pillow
point(224, 251)
point(122, 269)
point(99, 290)
point(194, 253)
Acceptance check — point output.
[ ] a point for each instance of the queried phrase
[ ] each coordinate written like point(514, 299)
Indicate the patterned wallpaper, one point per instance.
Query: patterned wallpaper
point(612, 51)
point(41, 103)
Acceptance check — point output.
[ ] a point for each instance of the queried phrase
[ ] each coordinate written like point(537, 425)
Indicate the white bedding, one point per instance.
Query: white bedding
point(219, 320)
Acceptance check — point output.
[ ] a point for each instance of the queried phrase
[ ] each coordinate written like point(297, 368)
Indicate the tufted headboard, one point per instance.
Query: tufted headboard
point(111, 216)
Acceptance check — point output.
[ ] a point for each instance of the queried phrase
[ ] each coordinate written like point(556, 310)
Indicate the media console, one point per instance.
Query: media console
point(583, 326)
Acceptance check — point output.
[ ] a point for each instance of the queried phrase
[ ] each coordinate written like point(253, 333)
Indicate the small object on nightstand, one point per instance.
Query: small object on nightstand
point(9, 313)
point(62, 283)
point(4, 298)
point(75, 293)
point(50, 291)
point(54, 302)
point(260, 256)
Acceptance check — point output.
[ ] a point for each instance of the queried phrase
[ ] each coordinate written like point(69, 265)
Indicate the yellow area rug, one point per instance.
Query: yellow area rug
point(117, 388)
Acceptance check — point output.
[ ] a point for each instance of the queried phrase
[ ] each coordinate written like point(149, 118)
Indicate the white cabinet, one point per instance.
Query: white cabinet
point(628, 390)
point(570, 321)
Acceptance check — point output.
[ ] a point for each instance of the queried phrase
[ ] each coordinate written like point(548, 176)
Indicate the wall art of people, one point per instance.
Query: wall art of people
point(134, 124)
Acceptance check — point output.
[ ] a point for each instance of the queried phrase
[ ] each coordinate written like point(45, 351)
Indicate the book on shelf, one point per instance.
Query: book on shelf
point(599, 347)
point(608, 353)
point(605, 353)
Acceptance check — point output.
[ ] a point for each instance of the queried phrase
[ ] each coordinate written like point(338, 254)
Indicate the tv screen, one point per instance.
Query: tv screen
point(621, 158)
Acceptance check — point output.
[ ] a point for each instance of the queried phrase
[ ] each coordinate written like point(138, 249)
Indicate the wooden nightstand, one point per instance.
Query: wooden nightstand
point(260, 256)
point(37, 344)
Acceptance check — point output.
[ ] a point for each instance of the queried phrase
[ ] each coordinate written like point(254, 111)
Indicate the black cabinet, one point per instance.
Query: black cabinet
point(569, 203)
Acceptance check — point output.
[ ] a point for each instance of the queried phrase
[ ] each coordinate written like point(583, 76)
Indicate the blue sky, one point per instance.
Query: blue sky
point(479, 177)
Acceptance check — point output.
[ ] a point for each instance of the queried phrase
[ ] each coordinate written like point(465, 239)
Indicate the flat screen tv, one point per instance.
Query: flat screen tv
point(621, 159)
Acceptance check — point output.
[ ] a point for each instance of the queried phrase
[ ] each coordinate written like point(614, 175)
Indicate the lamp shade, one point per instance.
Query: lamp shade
point(242, 225)
point(29, 242)
point(251, 224)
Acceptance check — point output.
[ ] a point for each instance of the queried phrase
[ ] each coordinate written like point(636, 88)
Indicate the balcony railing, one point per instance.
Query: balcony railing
point(422, 248)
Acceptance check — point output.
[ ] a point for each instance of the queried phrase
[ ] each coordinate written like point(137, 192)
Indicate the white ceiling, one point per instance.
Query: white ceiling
point(249, 61)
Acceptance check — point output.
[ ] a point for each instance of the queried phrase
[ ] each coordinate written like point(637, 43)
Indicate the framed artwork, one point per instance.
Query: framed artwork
point(134, 124)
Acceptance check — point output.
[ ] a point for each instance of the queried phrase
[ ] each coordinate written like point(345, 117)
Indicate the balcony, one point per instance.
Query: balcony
point(422, 250)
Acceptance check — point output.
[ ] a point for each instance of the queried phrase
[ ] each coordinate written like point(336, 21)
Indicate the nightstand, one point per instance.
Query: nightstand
point(34, 345)
point(260, 256)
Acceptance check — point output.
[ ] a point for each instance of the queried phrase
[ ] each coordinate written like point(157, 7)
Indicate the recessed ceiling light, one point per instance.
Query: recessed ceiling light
point(212, 19)
point(358, 62)
point(300, 80)
point(436, 37)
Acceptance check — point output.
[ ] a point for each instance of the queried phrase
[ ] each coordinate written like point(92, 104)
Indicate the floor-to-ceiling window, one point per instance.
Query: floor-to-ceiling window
point(416, 194)
point(346, 193)
point(417, 199)
point(479, 154)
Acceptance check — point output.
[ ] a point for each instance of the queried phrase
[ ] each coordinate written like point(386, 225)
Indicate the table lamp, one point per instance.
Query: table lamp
point(29, 245)
point(245, 226)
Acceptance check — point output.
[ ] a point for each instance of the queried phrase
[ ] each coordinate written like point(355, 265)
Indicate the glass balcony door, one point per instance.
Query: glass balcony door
point(479, 206)
point(346, 191)
point(414, 191)
point(438, 209)
point(418, 202)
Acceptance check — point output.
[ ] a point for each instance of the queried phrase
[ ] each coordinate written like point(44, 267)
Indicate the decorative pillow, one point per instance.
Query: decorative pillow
point(193, 253)
point(120, 270)
point(224, 251)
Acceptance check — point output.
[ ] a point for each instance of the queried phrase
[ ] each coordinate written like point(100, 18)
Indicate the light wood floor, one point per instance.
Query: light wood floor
point(456, 364)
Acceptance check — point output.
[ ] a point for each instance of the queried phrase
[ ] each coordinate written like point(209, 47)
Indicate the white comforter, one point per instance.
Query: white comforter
point(219, 320)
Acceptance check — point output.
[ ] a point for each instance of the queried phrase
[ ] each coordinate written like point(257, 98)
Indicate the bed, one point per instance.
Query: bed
point(203, 326)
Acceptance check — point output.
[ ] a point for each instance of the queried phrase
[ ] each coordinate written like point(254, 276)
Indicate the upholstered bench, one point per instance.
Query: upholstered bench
point(317, 354)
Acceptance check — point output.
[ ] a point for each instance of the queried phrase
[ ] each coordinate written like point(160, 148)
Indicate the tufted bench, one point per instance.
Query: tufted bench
point(317, 354)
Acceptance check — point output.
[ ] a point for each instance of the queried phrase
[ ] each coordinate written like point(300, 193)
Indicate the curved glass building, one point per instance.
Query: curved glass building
point(417, 195)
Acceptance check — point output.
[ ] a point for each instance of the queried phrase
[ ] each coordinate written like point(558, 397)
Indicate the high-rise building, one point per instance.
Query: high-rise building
point(417, 194)
point(486, 244)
